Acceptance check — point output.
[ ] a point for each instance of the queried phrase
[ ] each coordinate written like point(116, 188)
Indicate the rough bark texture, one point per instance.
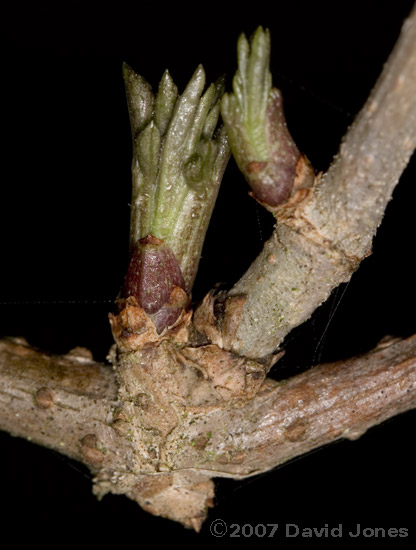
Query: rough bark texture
point(322, 234)
point(55, 401)
point(160, 439)
point(179, 408)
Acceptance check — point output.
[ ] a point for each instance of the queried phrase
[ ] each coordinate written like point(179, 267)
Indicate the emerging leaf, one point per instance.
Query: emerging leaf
point(178, 162)
point(253, 115)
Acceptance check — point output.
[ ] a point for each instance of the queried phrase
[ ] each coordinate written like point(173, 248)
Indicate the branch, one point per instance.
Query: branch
point(322, 234)
point(290, 418)
point(69, 403)
point(177, 409)
point(58, 401)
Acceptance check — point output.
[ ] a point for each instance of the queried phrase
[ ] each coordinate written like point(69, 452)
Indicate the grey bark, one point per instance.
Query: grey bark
point(177, 411)
point(320, 240)
point(70, 404)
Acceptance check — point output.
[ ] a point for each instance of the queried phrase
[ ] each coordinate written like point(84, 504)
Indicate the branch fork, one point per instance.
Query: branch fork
point(188, 397)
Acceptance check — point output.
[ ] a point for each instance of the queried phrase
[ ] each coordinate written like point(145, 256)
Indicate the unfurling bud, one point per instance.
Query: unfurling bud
point(155, 279)
point(179, 157)
point(272, 180)
point(253, 115)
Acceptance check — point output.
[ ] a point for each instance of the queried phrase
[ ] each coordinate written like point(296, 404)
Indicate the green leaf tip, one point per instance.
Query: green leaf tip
point(140, 99)
point(165, 102)
point(251, 85)
point(253, 116)
point(179, 158)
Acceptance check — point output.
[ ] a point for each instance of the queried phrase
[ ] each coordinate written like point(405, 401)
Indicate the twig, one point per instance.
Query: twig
point(323, 234)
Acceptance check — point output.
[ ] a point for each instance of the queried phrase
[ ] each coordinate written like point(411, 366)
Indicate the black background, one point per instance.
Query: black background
point(65, 215)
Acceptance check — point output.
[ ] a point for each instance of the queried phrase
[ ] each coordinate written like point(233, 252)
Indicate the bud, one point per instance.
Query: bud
point(155, 279)
point(253, 115)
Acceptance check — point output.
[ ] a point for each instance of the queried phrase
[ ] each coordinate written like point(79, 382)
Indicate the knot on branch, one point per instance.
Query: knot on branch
point(173, 366)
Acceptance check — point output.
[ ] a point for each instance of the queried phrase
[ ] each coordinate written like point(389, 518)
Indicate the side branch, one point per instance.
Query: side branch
point(290, 418)
point(323, 233)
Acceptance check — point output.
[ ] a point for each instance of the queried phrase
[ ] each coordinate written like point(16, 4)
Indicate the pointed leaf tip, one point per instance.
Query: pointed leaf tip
point(140, 99)
point(197, 80)
point(165, 101)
